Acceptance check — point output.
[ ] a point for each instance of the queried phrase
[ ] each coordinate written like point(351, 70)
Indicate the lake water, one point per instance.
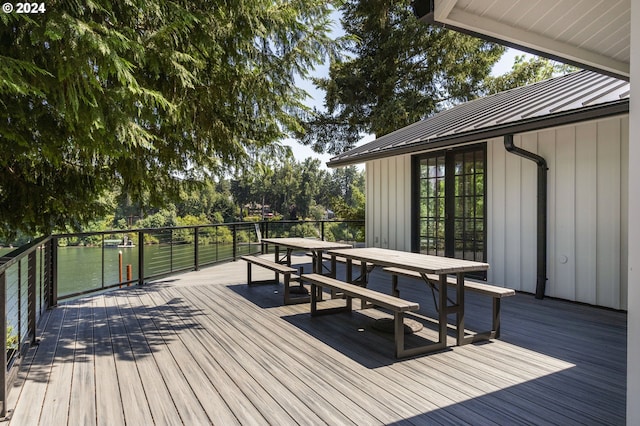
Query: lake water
point(82, 269)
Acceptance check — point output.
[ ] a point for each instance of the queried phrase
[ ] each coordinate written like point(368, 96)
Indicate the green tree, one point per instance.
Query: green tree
point(398, 71)
point(140, 94)
point(525, 72)
point(310, 175)
point(284, 187)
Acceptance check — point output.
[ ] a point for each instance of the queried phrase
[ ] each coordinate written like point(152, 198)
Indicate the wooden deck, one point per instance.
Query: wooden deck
point(204, 348)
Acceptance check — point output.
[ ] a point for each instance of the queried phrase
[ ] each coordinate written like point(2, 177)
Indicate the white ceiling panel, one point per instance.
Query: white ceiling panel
point(591, 33)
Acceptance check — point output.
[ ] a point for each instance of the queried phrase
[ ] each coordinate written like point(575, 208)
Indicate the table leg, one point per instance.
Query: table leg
point(317, 268)
point(317, 262)
point(442, 312)
point(460, 308)
point(277, 260)
point(334, 267)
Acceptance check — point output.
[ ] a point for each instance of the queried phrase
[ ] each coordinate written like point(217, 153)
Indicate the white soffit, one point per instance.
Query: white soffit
point(594, 33)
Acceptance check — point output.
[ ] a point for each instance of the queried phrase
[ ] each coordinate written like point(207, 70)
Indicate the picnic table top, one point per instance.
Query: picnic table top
point(424, 263)
point(306, 243)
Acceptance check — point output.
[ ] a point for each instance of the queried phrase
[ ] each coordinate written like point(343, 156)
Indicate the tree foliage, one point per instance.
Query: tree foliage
point(142, 94)
point(397, 71)
point(303, 185)
point(525, 72)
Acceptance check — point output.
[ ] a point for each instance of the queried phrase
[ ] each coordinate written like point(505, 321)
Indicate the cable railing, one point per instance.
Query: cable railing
point(36, 276)
point(25, 294)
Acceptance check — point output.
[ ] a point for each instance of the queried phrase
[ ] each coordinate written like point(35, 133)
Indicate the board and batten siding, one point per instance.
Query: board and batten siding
point(587, 210)
point(388, 207)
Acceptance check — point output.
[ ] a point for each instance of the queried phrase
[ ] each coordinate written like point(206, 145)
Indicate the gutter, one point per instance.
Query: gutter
point(541, 231)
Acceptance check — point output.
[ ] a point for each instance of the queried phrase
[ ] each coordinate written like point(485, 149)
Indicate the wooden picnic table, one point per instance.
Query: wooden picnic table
point(315, 247)
point(423, 264)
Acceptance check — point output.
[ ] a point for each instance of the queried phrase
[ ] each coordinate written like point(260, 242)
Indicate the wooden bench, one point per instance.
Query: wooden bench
point(327, 256)
point(497, 293)
point(288, 273)
point(360, 280)
point(395, 304)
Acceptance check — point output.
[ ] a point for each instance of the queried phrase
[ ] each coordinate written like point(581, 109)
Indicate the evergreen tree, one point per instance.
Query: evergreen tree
point(398, 71)
point(525, 72)
point(141, 94)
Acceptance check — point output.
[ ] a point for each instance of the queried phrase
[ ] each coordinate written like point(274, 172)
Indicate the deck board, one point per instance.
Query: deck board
point(205, 348)
point(82, 400)
point(178, 368)
point(135, 404)
point(109, 407)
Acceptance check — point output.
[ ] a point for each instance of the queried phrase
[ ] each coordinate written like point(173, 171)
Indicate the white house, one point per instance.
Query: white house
point(601, 35)
point(449, 185)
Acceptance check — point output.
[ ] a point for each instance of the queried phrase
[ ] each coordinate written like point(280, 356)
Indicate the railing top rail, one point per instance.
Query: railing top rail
point(164, 228)
point(16, 255)
point(208, 225)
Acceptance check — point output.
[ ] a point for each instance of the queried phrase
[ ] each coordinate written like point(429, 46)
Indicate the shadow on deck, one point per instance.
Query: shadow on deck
point(205, 348)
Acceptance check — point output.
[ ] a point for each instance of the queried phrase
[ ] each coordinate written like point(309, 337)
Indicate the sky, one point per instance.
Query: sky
point(301, 152)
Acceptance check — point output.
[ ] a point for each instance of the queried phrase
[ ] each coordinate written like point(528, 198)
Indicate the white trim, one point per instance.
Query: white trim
point(527, 39)
point(443, 8)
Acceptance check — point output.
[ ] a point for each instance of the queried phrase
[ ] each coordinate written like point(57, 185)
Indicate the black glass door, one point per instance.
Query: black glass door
point(451, 203)
point(467, 227)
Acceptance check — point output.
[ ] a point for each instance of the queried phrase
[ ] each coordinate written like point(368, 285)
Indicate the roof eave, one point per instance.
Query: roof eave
point(425, 11)
point(522, 126)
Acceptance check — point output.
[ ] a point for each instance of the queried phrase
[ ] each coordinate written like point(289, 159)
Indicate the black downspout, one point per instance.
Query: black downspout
point(542, 211)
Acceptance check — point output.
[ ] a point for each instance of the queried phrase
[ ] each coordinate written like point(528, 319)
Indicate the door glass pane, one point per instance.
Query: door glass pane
point(462, 172)
point(469, 206)
point(432, 205)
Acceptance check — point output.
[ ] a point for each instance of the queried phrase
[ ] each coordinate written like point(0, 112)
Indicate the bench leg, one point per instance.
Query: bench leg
point(398, 333)
point(496, 317)
point(494, 333)
point(316, 290)
point(249, 273)
point(287, 283)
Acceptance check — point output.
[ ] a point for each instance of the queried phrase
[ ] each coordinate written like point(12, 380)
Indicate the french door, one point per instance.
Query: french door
point(450, 203)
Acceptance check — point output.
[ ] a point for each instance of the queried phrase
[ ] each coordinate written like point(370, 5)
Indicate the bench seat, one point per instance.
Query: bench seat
point(495, 292)
point(288, 273)
point(395, 304)
point(475, 286)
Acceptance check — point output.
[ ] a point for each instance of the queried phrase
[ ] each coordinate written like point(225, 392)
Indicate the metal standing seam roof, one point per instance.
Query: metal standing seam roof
point(574, 97)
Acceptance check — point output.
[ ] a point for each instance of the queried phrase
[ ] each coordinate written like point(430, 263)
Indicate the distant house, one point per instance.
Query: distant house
point(464, 183)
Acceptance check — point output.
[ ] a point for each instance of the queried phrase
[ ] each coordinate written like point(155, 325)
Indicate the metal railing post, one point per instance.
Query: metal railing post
point(140, 257)
point(235, 242)
point(170, 250)
point(102, 263)
point(264, 248)
point(322, 230)
point(53, 268)
point(3, 345)
point(196, 231)
point(31, 295)
point(19, 327)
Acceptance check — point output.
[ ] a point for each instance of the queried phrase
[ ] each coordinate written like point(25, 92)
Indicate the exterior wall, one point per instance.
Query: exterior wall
point(388, 209)
point(587, 214)
point(587, 211)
